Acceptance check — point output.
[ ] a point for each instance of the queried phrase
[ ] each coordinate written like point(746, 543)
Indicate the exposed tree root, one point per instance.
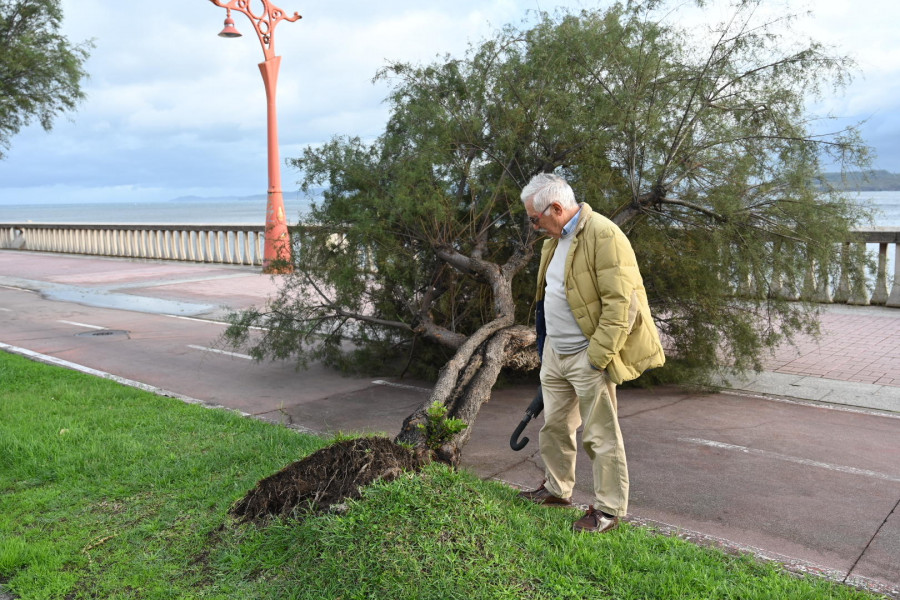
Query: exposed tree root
point(326, 478)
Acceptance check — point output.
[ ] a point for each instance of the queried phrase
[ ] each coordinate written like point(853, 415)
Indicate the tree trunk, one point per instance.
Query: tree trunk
point(466, 381)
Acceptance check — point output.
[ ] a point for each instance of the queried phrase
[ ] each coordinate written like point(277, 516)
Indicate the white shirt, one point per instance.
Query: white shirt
point(563, 331)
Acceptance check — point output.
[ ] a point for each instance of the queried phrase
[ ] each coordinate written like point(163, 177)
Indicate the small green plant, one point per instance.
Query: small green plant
point(438, 429)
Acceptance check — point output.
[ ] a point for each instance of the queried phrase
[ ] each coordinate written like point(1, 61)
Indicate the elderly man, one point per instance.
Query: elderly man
point(594, 331)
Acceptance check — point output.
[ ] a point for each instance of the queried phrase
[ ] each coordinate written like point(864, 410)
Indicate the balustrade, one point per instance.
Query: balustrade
point(243, 245)
point(859, 294)
point(224, 244)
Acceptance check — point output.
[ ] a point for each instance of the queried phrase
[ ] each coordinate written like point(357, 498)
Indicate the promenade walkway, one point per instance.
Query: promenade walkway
point(861, 344)
point(855, 362)
point(798, 464)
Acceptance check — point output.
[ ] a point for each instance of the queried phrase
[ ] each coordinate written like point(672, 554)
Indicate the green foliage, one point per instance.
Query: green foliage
point(697, 143)
point(437, 428)
point(40, 70)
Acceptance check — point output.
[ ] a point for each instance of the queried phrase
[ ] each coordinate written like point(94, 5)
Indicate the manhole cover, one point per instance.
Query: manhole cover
point(103, 333)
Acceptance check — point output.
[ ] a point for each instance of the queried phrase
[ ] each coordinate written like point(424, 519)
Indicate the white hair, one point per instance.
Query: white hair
point(546, 188)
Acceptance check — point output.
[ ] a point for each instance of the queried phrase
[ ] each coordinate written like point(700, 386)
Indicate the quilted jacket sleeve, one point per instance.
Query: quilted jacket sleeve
point(616, 276)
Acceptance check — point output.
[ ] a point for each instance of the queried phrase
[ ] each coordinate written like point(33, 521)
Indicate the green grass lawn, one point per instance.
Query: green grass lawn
point(111, 492)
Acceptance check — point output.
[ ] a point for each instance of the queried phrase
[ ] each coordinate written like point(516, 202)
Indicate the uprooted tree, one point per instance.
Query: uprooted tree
point(698, 144)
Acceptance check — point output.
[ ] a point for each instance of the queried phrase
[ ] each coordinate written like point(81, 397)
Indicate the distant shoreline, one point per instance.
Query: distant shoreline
point(865, 181)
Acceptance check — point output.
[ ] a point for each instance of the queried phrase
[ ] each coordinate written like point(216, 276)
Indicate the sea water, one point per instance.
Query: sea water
point(253, 212)
point(886, 206)
point(224, 212)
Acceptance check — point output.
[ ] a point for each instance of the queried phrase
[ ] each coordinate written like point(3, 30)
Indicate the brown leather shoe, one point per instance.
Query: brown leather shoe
point(542, 496)
point(595, 521)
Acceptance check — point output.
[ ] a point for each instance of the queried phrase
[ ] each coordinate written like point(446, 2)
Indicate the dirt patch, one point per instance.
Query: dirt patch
point(325, 478)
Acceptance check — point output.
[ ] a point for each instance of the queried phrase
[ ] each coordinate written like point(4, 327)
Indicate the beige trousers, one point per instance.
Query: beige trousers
point(576, 393)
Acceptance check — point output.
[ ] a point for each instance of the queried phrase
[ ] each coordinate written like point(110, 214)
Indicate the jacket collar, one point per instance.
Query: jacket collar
point(583, 217)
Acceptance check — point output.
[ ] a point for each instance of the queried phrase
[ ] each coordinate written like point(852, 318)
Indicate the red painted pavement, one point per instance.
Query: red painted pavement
point(860, 344)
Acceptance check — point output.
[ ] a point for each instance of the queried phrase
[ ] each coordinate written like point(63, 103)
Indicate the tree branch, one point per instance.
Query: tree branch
point(695, 207)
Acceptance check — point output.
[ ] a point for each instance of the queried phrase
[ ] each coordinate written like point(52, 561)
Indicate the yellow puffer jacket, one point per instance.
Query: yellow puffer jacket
point(607, 296)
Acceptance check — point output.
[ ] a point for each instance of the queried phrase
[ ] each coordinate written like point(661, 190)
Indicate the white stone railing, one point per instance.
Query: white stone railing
point(243, 245)
point(881, 293)
point(852, 285)
point(225, 244)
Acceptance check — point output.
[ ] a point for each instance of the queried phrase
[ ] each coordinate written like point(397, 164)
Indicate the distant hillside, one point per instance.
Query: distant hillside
point(870, 181)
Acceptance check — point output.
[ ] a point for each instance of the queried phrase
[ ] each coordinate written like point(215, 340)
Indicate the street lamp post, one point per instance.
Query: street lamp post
point(277, 248)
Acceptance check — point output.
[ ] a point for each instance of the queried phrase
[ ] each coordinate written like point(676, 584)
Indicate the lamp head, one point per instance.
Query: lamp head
point(230, 30)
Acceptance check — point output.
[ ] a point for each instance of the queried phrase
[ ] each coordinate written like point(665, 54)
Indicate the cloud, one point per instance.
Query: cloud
point(173, 110)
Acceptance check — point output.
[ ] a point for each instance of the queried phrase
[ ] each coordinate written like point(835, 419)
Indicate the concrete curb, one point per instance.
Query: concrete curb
point(832, 391)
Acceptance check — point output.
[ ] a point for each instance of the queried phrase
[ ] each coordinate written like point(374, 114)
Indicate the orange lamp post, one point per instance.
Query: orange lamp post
point(277, 248)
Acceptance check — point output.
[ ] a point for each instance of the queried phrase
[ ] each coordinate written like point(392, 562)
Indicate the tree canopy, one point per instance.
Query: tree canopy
point(40, 70)
point(697, 143)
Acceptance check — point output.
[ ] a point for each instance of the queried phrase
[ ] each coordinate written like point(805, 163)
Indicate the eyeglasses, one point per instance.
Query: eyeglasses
point(534, 220)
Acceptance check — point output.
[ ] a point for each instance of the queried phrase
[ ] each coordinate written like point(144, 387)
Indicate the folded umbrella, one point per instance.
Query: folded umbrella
point(533, 410)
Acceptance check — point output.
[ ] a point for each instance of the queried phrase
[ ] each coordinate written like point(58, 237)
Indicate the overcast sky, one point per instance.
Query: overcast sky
point(173, 110)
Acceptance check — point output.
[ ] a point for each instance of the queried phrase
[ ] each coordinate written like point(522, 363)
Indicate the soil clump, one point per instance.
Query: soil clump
point(326, 478)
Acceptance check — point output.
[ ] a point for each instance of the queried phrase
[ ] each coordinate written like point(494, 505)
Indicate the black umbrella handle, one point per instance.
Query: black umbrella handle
point(533, 410)
point(514, 442)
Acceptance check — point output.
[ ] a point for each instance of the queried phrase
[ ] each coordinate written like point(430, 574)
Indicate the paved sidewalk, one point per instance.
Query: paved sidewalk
point(855, 362)
point(860, 344)
point(798, 464)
